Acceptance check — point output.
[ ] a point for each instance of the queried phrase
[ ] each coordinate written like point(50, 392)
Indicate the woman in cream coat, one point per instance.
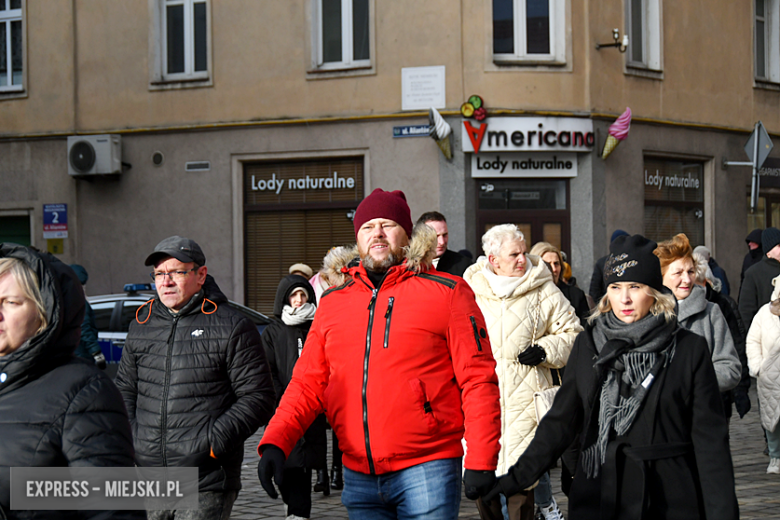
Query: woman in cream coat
point(513, 290)
point(763, 353)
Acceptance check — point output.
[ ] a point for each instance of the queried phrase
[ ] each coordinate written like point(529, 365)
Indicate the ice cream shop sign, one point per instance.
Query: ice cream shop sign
point(528, 134)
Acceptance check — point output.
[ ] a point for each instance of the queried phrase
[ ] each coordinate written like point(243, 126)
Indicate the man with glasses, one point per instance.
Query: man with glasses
point(194, 378)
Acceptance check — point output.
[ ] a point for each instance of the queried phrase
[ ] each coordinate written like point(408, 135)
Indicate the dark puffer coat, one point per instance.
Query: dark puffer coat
point(283, 344)
point(55, 409)
point(195, 382)
point(673, 464)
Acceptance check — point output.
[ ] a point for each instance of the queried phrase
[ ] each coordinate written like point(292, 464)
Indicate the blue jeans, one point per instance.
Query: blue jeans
point(428, 491)
point(543, 492)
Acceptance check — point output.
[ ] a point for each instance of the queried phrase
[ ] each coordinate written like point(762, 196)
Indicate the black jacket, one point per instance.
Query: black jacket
point(283, 344)
point(194, 382)
point(55, 409)
point(753, 256)
point(674, 462)
point(756, 289)
point(597, 288)
point(453, 263)
point(577, 298)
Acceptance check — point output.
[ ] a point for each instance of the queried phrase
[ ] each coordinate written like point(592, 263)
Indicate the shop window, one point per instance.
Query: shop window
point(11, 46)
point(342, 34)
point(182, 52)
point(529, 31)
point(295, 212)
point(674, 199)
point(643, 26)
point(767, 40)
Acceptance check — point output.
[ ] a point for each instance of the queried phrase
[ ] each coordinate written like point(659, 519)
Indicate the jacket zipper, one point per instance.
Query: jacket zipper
point(365, 380)
point(166, 387)
point(476, 333)
point(388, 316)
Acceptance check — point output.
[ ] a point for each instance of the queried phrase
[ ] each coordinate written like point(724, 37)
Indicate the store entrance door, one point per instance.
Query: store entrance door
point(540, 208)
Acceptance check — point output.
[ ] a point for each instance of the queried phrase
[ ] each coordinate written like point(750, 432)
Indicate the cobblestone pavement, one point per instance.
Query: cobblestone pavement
point(757, 492)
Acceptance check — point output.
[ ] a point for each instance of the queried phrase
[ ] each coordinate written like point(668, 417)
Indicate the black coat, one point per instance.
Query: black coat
point(453, 263)
point(674, 463)
point(194, 382)
point(55, 409)
point(597, 287)
point(577, 299)
point(756, 289)
point(283, 344)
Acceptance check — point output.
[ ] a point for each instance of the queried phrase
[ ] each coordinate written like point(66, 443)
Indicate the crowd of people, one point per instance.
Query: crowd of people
point(433, 372)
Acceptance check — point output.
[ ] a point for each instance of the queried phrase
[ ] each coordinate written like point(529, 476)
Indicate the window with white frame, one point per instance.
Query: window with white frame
point(643, 25)
point(767, 40)
point(529, 30)
point(342, 34)
point(185, 40)
point(11, 46)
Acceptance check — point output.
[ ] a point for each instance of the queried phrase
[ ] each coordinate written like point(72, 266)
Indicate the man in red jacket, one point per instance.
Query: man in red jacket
point(399, 359)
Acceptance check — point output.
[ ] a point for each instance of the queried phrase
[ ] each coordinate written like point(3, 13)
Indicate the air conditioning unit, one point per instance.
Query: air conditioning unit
point(94, 155)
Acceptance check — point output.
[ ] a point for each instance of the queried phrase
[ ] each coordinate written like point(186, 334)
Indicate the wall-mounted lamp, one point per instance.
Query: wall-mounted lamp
point(621, 45)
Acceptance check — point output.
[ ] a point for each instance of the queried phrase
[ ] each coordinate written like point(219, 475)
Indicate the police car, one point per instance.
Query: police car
point(115, 312)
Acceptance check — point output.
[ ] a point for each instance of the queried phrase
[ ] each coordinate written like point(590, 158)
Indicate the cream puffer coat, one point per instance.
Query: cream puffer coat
point(510, 325)
point(763, 353)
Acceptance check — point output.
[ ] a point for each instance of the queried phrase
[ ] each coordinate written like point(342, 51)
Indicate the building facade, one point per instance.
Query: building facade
point(256, 128)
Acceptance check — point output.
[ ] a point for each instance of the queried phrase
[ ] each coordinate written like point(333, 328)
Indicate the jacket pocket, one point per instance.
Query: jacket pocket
point(423, 405)
point(477, 333)
point(388, 317)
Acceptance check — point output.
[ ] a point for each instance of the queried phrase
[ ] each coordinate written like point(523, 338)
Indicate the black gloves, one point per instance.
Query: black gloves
point(506, 485)
point(532, 356)
point(477, 483)
point(100, 360)
point(271, 465)
point(741, 403)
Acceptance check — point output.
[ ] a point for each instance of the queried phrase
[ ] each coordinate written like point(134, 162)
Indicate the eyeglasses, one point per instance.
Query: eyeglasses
point(176, 276)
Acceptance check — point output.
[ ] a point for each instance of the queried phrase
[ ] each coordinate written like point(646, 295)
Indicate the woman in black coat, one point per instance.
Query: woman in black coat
point(55, 409)
point(283, 342)
point(641, 395)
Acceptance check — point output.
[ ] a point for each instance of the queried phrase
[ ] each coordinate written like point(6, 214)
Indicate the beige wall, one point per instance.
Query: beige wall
point(261, 58)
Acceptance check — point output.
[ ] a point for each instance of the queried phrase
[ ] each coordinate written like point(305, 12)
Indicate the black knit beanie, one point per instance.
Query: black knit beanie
point(631, 259)
point(770, 237)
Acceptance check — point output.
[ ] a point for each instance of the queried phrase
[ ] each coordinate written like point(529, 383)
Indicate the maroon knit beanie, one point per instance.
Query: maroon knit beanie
point(385, 204)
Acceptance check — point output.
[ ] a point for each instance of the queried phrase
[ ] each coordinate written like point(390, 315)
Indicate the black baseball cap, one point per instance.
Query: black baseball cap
point(180, 248)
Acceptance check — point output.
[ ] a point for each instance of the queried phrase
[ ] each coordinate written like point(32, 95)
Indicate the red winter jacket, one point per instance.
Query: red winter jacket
point(396, 370)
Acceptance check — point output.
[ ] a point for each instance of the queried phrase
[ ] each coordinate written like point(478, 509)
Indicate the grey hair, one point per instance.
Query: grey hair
point(704, 273)
point(496, 236)
point(664, 304)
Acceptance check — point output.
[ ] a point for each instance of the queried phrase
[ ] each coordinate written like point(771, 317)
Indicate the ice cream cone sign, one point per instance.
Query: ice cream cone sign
point(618, 131)
point(440, 131)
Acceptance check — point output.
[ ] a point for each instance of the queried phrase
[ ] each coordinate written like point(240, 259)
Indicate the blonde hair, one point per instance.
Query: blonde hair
point(27, 280)
point(664, 304)
point(542, 248)
point(495, 237)
point(677, 248)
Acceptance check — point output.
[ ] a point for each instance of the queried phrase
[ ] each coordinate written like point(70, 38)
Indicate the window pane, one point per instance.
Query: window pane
point(503, 27)
point(331, 30)
point(16, 52)
point(16, 4)
point(636, 41)
point(103, 312)
point(760, 50)
point(3, 54)
point(360, 29)
point(2, 5)
point(760, 8)
point(175, 27)
point(199, 30)
point(537, 26)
